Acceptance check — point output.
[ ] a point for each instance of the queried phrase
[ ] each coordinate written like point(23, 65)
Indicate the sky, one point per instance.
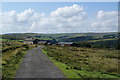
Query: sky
point(59, 17)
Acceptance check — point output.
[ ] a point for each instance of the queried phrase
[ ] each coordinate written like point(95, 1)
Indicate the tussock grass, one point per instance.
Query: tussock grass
point(12, 58)
point(84, 62)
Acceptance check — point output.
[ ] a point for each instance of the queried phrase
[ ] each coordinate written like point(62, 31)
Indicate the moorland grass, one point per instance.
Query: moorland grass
point(80, 62)
point(12, 58)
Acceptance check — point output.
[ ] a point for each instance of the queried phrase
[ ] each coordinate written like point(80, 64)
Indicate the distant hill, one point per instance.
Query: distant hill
point(73, 37)
point(99, 40)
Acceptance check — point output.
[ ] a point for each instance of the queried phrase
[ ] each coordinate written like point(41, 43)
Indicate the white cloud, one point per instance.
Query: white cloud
point(106, 15)
point(71, 13)
point(106, 21)
point(9, 17)
point(26, 15)
point(19, 22)
point(65, 19)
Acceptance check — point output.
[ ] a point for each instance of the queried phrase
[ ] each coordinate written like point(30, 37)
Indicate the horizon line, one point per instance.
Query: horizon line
point(55, 33)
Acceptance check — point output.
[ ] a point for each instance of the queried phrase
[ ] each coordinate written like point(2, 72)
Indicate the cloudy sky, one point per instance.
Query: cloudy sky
point(63, 17)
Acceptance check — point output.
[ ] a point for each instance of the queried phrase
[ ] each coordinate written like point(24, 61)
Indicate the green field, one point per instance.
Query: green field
point(58, 36)
point(78, 62)
point(102, 40)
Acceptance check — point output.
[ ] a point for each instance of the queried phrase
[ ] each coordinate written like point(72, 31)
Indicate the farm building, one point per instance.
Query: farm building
point(34, 41)
point(38, 41)
point(42, 42)
point(28, 41)
point(64, 43)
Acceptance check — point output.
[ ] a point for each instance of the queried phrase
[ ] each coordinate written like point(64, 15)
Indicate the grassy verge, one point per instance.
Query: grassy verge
point(11, 61)
point(68, 73)
point(74, 72)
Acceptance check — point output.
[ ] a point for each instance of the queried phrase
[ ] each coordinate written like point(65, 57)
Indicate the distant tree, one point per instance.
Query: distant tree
point(75, 44)
point(88, 45)
point(36, 41)
point(118, 44)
